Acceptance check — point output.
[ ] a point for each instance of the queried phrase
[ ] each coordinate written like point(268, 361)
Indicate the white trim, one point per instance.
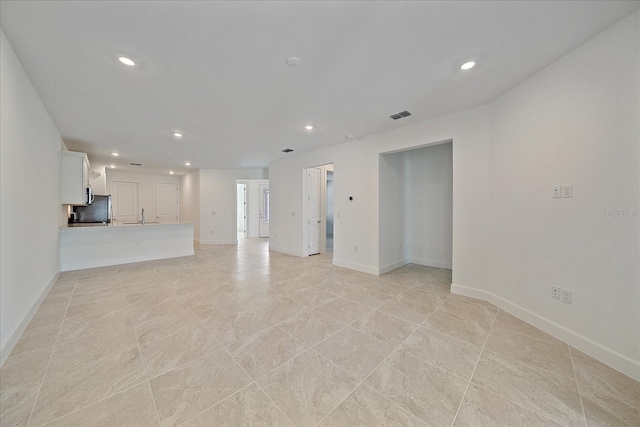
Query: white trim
point(431, 263)
point(357, 267)
point(219, 242)
point(605, 355)
point(392, 266)
point(285, 251)
point(13, 340)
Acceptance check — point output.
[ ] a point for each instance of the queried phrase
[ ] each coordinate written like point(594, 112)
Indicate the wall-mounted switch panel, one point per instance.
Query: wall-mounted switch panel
point(566, 296)
point(567, 191)
point(557, 191)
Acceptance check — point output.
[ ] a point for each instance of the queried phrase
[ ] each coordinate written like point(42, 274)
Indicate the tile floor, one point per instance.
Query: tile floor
point(241, 336)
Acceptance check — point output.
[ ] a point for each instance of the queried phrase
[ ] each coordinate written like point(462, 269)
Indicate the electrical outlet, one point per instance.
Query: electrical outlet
point(293, 214)
point(557, 191)
point(555, 292)
point(566, 296)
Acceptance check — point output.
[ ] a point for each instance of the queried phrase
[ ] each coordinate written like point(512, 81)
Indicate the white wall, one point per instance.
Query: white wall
point(575, 122)
point(429, 205)
point(356, 166)
point(30, 164)
point(393, 251)
point(218, 203)
point(146, 188)
point(190, 201)
point(99, 183)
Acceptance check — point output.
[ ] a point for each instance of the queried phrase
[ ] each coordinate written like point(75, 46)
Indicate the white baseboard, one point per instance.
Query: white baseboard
point(605, 355)
point(219, 242)
point(355, 266)
point(392, 266)
point(285, 251)
point(431, 263)
point(13, 340)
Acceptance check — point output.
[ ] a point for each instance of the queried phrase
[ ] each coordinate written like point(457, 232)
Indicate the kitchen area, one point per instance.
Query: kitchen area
point(104, 230)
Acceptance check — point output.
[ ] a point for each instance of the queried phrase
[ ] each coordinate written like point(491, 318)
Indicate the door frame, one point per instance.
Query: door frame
point(261, 187)
point(305, 213)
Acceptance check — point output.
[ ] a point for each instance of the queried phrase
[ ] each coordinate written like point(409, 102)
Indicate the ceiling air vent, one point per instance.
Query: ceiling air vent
point(287, 150)
point(135, 164)
point(400, 115)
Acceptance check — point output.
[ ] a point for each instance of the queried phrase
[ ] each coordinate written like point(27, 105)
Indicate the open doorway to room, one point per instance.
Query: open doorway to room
point(241, 210)
point(252, 207)
point(329, 210)
point(318, 236)
point(416, 207)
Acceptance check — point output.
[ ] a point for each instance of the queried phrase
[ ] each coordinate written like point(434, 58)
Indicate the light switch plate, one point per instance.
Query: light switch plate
point(567, 191)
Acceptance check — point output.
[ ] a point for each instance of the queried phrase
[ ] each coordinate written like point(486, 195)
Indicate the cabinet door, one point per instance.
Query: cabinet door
point(72, 180)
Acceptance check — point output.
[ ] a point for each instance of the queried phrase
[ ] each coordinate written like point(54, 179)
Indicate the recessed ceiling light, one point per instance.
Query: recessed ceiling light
point(293, 61)
point(112, 166)
point(187, 164)
point(467, 65)
point(171, 172)
point(177, 134)
point(115, 154)
point(308, 127)
point(126, 61)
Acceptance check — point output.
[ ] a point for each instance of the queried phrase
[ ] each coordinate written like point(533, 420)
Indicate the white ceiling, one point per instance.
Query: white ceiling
point(216, 71)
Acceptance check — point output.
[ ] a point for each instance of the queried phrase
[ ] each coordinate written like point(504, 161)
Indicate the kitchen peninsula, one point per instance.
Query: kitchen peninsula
point(99, 246)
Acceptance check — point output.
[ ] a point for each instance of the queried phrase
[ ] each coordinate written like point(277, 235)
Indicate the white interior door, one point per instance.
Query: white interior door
point(264, 210)
point(124, 201)
point(313, 210)
point(167, 207)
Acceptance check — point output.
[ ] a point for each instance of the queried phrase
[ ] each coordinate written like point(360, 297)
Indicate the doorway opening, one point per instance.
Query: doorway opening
point(318, 189)
point(241, 210)
point(252, 208)
point(329, 210)
point(416, 207)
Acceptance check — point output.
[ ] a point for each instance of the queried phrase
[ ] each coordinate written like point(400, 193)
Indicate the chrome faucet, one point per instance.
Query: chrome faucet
point(142, 222)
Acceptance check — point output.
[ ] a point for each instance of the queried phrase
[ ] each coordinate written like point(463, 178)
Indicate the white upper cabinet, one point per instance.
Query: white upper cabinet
point(74, 178)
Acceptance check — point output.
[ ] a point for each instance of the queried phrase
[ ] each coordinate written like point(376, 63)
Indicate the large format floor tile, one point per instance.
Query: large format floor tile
point(355, 352)
point(428, 392)
point(248, 407)
point(365, 407)
point(239, 335)
point(553, 396)
point(308, 387)
point(185, 392)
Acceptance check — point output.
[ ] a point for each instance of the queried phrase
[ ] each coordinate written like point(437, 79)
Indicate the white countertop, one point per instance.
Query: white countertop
point(122, 226)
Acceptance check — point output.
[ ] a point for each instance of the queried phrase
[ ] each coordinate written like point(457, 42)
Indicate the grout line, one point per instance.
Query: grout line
point(495, 316)
point(144, 365)
point(217, 403)
point(256, 382)
point(575, 376)
point(374, 369)
point(52, 351)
